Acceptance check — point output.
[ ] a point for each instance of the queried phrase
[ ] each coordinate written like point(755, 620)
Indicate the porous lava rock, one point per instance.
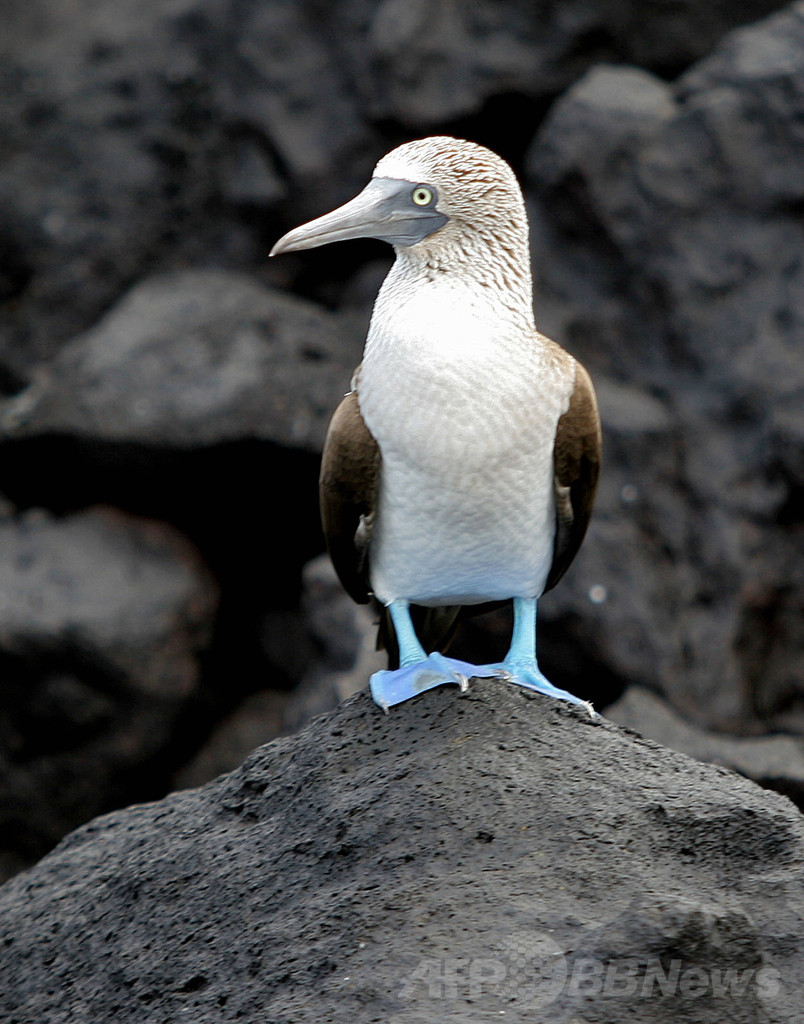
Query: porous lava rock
point(462, 857)
point(775, 761)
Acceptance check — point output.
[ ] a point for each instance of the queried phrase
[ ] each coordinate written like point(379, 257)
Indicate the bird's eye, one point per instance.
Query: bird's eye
point(422, 195)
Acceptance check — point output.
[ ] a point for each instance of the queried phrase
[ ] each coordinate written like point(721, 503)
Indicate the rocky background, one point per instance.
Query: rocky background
point(165, 390)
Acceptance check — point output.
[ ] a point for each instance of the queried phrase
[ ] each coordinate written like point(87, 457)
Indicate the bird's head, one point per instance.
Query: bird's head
point(437, 199)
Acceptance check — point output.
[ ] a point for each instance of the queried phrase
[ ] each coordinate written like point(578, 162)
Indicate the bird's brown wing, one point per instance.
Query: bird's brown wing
point(350, 470)
point(577, 456)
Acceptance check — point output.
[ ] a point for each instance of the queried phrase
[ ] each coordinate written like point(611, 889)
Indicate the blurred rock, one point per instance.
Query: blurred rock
point(140, 135)
point(500, 843)
point(257, 720)
point(202, 398)
point(103, 619)
point(668, 252)
point(419, 63)
point(129, 125)
point(192, 359)
point(329, 647)
point(344, 644)
point(775, 762)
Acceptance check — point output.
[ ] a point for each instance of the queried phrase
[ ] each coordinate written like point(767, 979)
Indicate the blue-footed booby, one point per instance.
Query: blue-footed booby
point(461, 468)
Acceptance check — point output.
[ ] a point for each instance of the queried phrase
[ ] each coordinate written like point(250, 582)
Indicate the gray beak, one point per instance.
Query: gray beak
point(384, 210)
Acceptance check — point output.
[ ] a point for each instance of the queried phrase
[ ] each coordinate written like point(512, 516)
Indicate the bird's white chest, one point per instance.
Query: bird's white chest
point(464, 405)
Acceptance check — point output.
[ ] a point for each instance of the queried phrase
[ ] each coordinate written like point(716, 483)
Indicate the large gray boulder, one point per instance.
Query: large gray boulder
point(458, 859)
point(104, 619)
point(192, 359)
point(776, 761)
point(669, 259)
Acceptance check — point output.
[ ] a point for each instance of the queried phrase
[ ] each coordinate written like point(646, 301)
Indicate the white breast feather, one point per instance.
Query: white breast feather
point(463, 402)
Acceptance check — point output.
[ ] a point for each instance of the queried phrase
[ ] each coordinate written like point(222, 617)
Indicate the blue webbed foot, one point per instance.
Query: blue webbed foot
point(520, 665)
point(528, 674)
point(392, 686)
point(419, 672)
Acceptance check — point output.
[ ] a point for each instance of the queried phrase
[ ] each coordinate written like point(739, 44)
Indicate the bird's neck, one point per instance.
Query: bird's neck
point(488, 280)
point(435, 326)
point(447, 356)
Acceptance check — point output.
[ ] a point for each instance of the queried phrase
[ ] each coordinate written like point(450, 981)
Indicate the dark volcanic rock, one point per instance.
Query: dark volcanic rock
point(422, 66)
point(669, 257)
point(139, 134)
point(336, 639)
point(134, 132)
point(776, 762)
point(103, 619)
point(192, 359)
point(457, 859)
point(202, 399)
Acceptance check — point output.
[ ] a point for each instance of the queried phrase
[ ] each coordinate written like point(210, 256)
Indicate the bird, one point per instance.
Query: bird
point(459, 471)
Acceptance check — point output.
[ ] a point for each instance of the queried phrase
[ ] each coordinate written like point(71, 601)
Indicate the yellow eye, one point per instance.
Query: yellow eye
point(422, 195)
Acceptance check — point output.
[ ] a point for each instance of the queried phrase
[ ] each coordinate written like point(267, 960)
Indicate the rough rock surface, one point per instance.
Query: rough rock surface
point(191, 359)
point(102, 620)
point(458, 859)
point(775, 762)
point(669, 248)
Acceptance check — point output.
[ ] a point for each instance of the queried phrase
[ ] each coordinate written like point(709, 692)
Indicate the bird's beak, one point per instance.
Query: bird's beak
point(382, 210)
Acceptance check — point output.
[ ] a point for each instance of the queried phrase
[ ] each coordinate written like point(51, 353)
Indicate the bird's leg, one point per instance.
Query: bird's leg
point(520, 665)
point(410, 650)
point(417, 670)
